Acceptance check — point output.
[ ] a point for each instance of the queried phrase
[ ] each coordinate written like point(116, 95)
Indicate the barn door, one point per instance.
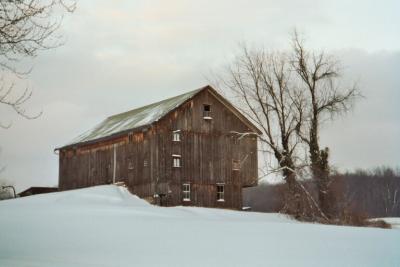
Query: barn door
point(118, 166)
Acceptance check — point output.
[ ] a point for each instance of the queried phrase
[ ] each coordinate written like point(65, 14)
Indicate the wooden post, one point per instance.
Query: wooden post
point(114, 162)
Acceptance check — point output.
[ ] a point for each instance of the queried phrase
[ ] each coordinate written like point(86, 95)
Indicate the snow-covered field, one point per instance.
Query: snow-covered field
point(106, 226)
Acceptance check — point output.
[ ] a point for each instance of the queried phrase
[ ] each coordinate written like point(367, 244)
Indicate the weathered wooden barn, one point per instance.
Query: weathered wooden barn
point(185, 150)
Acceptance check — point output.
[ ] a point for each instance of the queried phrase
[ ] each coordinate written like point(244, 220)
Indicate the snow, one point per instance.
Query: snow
point(107, 226)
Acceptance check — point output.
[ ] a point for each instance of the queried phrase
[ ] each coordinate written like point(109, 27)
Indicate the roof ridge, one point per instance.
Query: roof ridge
point(157, 103)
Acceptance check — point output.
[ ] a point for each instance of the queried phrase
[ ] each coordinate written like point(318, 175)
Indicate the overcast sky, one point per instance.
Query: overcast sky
point(123, 54)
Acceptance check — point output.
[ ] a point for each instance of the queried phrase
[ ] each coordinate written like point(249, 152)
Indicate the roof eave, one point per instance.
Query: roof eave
point(105, 138)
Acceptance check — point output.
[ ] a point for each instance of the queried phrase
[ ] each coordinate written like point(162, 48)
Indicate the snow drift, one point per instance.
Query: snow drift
point(107, 226)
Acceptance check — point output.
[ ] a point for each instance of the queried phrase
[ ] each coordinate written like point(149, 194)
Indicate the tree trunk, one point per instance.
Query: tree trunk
point(319, 164)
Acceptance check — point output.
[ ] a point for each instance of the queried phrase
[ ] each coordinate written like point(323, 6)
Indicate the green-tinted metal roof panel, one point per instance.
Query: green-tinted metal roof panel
point(134, 118)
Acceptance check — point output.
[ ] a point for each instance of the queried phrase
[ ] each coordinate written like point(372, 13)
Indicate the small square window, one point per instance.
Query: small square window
point(176, 161)
point(220, 192)
point(176, 136)
point(186, 192)
point(207, 107)
point(236, 165)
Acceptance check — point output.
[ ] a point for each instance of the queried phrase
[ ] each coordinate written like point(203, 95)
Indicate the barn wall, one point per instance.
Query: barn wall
point(207, 148)
point(93, 165)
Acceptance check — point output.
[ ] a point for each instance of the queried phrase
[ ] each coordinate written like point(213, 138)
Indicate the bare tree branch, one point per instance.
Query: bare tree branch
point(262, 84)
point(318, 75)
point(26, 27)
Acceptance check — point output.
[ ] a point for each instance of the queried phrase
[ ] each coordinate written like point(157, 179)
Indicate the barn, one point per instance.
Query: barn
point(186, 150)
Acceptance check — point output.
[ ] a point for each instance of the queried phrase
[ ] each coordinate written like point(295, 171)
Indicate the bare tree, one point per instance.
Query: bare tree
point(261, 82)
point(318, 75)
point(289, 96)
point(26, 27)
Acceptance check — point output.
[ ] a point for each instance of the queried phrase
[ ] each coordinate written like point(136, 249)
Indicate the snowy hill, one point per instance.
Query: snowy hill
point(107, 226)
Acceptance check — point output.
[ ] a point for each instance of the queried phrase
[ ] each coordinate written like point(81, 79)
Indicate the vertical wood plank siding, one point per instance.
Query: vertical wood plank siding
point(144, 162)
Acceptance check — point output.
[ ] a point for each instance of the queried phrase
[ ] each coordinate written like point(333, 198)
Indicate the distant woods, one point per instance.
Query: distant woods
point(359, 194)
point(289, 95)
point(26, 28)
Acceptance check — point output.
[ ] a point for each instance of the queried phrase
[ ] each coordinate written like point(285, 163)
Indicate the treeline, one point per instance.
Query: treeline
point(362, 194)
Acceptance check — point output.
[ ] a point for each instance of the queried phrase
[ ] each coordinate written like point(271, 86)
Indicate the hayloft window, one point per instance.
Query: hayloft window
point(176, 161)
point(236, 165)
point(186, 192)
point(176, 136)
point(207, 112)
point(220, 192)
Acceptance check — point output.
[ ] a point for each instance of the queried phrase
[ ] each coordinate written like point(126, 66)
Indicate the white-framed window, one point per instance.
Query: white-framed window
point(186, 191)
point(220, 192)
point(176, 161)
point(176, 136)
point(235, 165)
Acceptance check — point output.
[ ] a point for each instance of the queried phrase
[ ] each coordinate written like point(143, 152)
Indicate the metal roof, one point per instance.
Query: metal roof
point(134, 118)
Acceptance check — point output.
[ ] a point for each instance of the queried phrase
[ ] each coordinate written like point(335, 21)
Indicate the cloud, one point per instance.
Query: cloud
point(123, 54)
point(368, 136)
